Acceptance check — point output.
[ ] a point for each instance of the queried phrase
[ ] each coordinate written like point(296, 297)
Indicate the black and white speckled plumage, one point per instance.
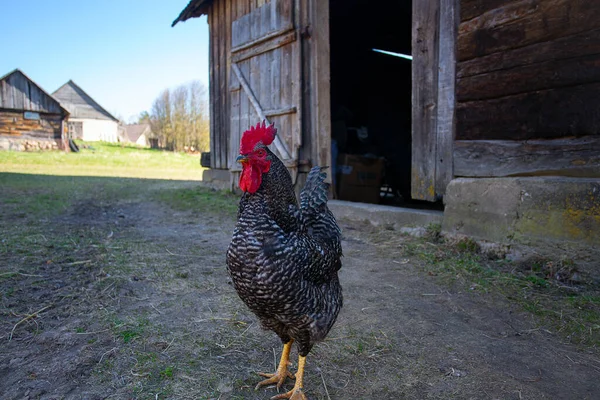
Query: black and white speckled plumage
point(283, 259)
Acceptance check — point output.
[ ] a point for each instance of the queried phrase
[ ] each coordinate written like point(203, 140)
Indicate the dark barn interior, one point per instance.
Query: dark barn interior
point(371, 90)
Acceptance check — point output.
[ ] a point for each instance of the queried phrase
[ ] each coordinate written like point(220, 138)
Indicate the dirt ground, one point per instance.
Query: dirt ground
point(124, 295)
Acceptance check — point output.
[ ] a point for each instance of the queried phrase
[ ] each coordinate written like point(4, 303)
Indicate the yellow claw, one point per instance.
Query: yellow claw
point(282, 372)
point(296, 393)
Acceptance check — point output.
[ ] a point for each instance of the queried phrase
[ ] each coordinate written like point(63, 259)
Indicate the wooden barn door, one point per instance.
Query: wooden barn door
point(265, 79)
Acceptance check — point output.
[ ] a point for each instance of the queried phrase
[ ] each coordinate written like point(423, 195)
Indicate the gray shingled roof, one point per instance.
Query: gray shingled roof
point(79, 103)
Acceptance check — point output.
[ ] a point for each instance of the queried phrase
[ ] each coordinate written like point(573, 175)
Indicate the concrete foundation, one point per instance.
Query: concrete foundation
point(393, 217)
point(531, 211)
point(219, 178)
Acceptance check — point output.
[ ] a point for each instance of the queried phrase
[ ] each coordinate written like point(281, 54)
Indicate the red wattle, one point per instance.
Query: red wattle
point(250, 179)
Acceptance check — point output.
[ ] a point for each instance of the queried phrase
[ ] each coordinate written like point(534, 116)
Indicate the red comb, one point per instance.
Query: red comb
point(257, 134)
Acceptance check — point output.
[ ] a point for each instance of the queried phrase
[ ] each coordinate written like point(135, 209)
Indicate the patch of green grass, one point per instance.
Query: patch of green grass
point(537, 281)
point(128, 335)
point(105, 159)
point(200, 199)
point(571, 311)
point(167, 373)
point(433, 231)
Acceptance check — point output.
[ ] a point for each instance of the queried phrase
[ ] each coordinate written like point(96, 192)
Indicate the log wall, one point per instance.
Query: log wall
point(528, 69)
point(13, 124)
point(20, 134)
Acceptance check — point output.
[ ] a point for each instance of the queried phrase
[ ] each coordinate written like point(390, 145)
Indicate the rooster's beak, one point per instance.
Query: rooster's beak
point(241, 159)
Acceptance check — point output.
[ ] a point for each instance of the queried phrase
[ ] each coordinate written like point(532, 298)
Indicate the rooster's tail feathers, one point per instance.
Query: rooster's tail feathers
point(313, 197)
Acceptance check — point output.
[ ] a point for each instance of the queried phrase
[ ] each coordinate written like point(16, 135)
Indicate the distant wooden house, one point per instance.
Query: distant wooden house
point(88, 120)
point(30, 118)
point(139, 134)
point(495, 90)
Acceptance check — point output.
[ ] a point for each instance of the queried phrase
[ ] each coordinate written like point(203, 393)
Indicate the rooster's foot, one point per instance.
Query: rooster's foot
point(294, 394)
point(277, 378)
point(282, 372)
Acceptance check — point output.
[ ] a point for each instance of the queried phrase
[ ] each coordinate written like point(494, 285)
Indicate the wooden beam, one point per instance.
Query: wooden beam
point(578, 45)
point(575, 157)
point(529, 78)
point(550, 113)
point(520, 23)
point(269, 45)
point(470, 9)
point(425, 35)
point(446, 116)
point(320, 89)
point(280, 111)
point(253, 46)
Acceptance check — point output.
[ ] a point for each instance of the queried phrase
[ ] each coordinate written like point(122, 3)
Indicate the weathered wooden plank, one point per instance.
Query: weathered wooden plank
point(446, 95)
point(295, 119)
point(424, 98)
point(281, 111)
point(261, 39)
point(529, 78)
point(259, 32)
point(27, 89)
point(275, 79)
point(263, 47)
point(578, 45)
point(35, 100)
point(244, 66)
point(522, 23)
point(225, 66)
point(577, 157)
point(316, 109)
point(236, 129)
point(473, 8)
point(547, 113)
point(265, 19)
point(264, 61)
point(245, 105)
point(214, 95)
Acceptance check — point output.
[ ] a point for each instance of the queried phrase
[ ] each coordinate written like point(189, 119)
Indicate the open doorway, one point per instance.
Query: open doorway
point(371, 96)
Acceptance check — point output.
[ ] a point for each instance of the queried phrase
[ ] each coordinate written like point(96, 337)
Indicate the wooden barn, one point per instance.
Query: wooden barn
point(30, 118)
point(499, 94)
point(88, 120)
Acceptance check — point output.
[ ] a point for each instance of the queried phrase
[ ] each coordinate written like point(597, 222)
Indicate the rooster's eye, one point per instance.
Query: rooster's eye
point(261, 153)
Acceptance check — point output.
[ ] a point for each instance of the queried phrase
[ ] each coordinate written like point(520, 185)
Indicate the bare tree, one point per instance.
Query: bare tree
point(180, 118)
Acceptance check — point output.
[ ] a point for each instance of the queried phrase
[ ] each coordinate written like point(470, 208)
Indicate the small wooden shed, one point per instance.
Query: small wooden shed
point(496, 88)
point(30, 118)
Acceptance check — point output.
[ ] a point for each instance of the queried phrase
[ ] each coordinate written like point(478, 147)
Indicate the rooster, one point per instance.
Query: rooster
point(283, 258)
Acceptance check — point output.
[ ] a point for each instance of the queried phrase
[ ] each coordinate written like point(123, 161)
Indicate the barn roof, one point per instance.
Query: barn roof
point(79, 103)
point(194, 9)
point(20, 92)
point(134, 131)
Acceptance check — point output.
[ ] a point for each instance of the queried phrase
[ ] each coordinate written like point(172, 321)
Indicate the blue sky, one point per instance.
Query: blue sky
point(122, 53)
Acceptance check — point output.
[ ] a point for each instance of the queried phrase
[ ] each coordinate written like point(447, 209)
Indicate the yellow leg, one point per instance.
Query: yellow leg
point(296, 393)
point(282, 370)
